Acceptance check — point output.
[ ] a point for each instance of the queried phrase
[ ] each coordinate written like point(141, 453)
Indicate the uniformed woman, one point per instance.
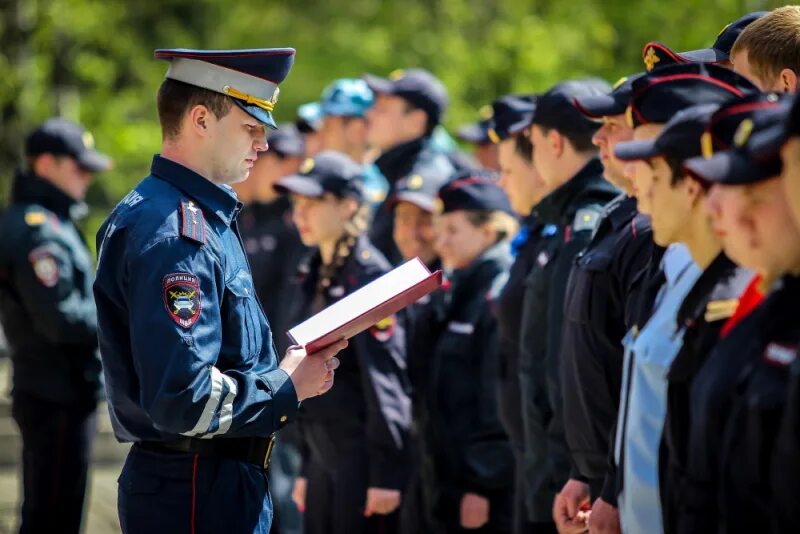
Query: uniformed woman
point(467, 462)
point(354, 441)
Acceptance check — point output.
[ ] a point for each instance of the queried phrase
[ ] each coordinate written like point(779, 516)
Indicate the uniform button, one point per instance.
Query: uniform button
point(284, 419)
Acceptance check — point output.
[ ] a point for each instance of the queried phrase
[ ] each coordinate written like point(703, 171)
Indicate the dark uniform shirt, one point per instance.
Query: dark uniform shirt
point(368, 411)
point(46, 301)
point(394, 164)
point(734, 420)
point(591, 351)
point(746, 456)
point(565, 220)
point(465, 449)
point(705, 309)
point(186, 348)
point(274, 250)
point(785, 470)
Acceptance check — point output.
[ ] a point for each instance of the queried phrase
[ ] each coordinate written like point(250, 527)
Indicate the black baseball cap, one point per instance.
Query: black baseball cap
point(656, 55)
point(726, 145)
point(679, 139)
point(556, 109)
point(286, 141)
point(615, 102)
point(61, 137)
point(420, 188)
point(417, 86)
point(473, 191)
point(511, 114)
point(662, 93)
point(476, 133)
point(772, 139)
point(327, 172)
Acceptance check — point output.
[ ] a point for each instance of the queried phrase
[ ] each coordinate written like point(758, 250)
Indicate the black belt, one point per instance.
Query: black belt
point(251, 450)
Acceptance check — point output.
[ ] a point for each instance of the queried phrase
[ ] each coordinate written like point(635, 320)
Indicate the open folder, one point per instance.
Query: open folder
point(363, 308)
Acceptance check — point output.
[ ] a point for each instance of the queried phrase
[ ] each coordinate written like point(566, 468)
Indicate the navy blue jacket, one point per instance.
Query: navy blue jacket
point(46, 302)
point(186, 347)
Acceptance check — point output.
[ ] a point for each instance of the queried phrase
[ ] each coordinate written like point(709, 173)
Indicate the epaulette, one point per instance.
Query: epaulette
point(587, 218)
point(193, 222)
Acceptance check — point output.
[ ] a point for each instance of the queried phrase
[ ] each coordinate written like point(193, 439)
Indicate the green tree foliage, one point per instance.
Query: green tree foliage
point(91, 60)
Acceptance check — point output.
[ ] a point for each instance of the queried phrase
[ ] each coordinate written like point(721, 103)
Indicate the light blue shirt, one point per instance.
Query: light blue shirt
point(648, 356)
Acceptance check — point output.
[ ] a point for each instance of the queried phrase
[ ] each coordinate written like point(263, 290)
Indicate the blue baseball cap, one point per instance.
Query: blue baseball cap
point(473, 190)
point(327, 172)
point(309, 117)
point(249, 77)
point(347, 98)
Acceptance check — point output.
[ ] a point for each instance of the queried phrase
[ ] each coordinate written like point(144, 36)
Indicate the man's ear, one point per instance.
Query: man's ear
point(693, 189)
point(43, 164)
point(199, 120)
point(787, 81)
point(420, 119)
point(557, 141)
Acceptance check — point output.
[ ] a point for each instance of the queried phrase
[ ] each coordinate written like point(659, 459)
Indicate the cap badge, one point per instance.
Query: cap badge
point(486, 112)
point(397, 74)
point(88, 140)
point(743, 132)
point(706, 145)
point(415, 182)
point(650, 59)
point(307, 165)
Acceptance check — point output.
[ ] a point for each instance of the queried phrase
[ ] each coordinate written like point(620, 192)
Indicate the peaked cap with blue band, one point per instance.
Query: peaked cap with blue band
point(249, 77)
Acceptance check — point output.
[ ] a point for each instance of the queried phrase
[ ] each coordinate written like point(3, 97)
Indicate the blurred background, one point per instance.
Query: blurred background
point(91, 60)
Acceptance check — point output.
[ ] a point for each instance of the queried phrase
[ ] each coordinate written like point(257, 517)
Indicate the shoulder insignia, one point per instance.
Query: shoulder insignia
point(35, 218)
point(45, 266)
point(586, 219)
point(780, 355)
point(716, 310)
point(193, 222)
point(461, 328)
point(131, 199)
point(383, 329)
point(182, 298)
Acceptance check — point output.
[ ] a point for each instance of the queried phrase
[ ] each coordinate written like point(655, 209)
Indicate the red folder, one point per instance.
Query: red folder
point(363, 308)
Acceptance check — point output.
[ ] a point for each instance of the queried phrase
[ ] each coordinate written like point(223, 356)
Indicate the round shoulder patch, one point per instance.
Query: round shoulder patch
point(182, 298)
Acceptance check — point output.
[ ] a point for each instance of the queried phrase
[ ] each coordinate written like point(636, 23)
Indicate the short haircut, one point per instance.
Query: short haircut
point(176, 98)
point(772, 43)
point(430, 121)
point(523, 147)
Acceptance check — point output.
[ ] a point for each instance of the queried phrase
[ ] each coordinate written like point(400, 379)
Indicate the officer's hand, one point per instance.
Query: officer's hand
point(299, 493)
point(312, 374)
point(567, 507)
point(381, 501)
point(604, 519)
point(474, 511)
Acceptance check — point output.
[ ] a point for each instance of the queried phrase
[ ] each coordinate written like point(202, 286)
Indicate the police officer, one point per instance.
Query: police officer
point(477, 135)
point(344, 105)
point(355, 441)
point(467, 467)
point(191, 369)
point(408, 107)
point(49, 318)
point(269, 236)
point(511, 116)
point(566, 160)
point(737, 396)
point(656, 55)
point(596, 308)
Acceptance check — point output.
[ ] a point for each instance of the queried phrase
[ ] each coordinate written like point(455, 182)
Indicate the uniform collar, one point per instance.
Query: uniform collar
point(675, 262)
point(220, 200)
point(552, 207)
point(404, 154)
point(28, 187)
point(718, 272)
point(621, 211)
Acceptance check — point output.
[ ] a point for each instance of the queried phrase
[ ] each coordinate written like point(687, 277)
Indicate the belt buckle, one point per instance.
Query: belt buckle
point(268, 454)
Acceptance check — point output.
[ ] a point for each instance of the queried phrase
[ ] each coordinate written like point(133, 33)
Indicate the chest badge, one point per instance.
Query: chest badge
point(542, 259)
point(182, 298)
point(780, 355)
point(383, 329)
point(45, 266)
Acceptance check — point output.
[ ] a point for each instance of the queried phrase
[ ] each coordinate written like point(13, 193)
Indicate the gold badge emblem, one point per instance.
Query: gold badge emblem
point(88, 140)
point(397, 74)
point(743, 132)
point(706, 145)
point(486, 112)
point(307, 165)
point(415, 182)
point(650, 59)
point(35, 218)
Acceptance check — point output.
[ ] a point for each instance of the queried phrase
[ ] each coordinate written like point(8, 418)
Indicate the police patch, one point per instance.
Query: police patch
point(383, 329)
point(45, 266)
point(182, 298)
